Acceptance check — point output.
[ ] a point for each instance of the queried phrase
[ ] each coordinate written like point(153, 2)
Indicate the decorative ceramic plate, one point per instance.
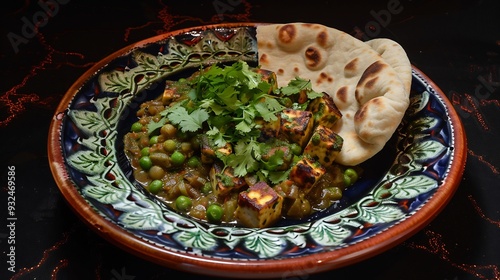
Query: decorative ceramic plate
point(404, 187)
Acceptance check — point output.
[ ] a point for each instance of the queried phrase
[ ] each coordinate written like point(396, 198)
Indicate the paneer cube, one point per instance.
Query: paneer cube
point(209, 150)
point(169, 95)
point(223, 180)
point(260, 206)
point(306, 173)
point(324, 145)
point(324, 110)
point(297, 125)
point(269, 129)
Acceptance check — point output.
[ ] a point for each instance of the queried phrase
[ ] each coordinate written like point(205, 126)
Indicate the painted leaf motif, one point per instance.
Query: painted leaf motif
point(329, 234)
point(379, 212)
point(142, 219)
point(179, 52)
point(212, 45)
point(116, 81)
point(422, 125)
point(412, 186)
point(264, 246)
point(297, 239)
point(417, 103)
point(88, 162)
point(242, 43)
point(197, 239)
point(146, 61)
point(88, 122)
point(105, 194)
point(426, 150)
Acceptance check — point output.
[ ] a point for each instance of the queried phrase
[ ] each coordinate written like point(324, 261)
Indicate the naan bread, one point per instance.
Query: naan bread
point(367, 90)
point(395, 56)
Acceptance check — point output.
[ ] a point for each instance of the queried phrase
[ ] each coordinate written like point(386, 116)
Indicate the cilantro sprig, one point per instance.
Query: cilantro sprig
point(225, 101)
point(297, 85)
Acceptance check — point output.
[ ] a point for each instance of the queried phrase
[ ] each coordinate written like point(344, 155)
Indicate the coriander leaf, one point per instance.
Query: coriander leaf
point(289, 90)
point(268, 108)
point(264, 112)
point(244, 158)
point(300, 83)
point(152, 126)
point(253, 77)
point(212, 105)
point(220, 121)
point(188, 122)
point(243, 127)
point(295, 86)
point(217, 137)
point(277, 177)
point(173, 107)
point(275, 161)
point(313, 94)
point(229, 97)
point(274, 105)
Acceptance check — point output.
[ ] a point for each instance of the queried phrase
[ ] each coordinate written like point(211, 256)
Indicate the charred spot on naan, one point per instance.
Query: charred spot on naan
point(342, 94)
point(372, 71)
point(324, 77)
point(351, 66)
point(264, 59)
point(371, 83)
point(369, 79)
point(313, 57)
point(322, 39)
point(287, 33)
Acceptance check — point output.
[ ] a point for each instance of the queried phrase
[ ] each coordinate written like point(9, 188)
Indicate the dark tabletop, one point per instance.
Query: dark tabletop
point(457, 44)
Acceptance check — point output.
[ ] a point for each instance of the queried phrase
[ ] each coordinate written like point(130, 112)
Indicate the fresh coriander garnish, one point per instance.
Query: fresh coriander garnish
point(297, 85)
point(225, 101)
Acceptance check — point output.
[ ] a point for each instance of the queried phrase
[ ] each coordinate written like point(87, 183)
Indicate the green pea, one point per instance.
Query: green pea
point(153, 140)
point(296, 149)
point(352, 174)
point(168, 130)
point(155, 186)
point(136, 127)
point(347, 180)
point(145, 162)
point(335, 193)
point(214, 213)
point(183, 203)
point(193, 162)
point(177, 158)
point(170, 145)
point(207, 188)
point(145, 151)
point(286, 101)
